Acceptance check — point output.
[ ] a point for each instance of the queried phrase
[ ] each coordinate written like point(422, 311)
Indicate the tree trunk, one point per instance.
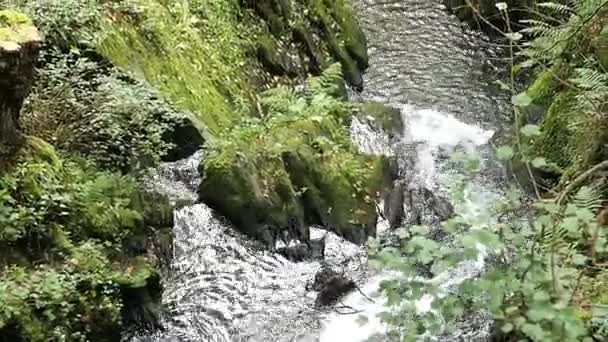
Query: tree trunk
point(17, 64)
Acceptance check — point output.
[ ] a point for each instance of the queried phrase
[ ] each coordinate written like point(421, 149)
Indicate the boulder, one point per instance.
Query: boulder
point(300, 251)
point(381, 117)
point(331, 286)
point(19, 46)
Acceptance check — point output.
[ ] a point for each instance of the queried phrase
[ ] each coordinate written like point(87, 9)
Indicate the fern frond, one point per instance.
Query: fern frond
point(589, 198)
point(330, 82)
point(556, 7)
point(278, 100)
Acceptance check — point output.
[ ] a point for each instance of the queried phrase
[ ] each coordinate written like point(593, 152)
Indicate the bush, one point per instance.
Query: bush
point(86, 108)
point(65, 267)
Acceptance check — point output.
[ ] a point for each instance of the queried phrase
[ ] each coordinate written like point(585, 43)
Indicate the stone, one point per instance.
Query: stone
point(331, 286)
point(381, 117)
point(311, 250)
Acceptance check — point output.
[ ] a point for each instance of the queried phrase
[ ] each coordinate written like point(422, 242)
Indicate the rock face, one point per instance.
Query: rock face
point(19, 46)
point(314, 27)
point(313, 249)
point(488, 9)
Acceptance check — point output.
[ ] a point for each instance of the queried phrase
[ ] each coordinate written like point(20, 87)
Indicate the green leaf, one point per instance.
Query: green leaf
point(539, 162)
point(521, 100)
point(530, 130)
point(507, 328)
point(502, 6)
point(505, 153)
point(515, 36)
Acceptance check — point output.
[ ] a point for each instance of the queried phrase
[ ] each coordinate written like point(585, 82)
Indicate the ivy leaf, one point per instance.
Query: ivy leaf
point(539, 162)
point(502, 6)
point(505, 153)
point(521, 100)
point(514, 36)
point(530, 130)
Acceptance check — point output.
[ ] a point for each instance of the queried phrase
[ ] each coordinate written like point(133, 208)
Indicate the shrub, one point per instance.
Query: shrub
point(86, 108)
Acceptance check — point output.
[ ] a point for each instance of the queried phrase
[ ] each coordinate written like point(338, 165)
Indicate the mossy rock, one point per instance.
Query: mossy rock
point(296, 168)
point(542, 91)
point(328, 17)
point(381, 117)
point(15, 29)
point(141, 293)
point(304, 39)
point(351, 32)
point(255, 195)
point(556, 140)
point(570, 137)
point(518, 10)
point(273, 60)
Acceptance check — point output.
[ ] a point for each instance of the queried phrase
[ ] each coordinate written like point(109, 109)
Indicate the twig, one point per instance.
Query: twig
point(364, 295)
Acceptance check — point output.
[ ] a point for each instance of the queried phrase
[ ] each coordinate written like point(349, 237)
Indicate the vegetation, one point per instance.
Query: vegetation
point(547, 280)
point(295, 164)
point(66, 228)
point(123, 85)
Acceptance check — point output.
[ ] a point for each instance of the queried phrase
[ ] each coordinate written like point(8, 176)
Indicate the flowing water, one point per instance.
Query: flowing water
point(222, 286)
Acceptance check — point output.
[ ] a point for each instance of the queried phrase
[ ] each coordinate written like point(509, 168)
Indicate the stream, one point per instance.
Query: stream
point(222, 286)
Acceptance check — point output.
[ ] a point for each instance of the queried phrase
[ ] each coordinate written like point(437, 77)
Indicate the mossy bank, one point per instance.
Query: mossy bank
point(123, 85)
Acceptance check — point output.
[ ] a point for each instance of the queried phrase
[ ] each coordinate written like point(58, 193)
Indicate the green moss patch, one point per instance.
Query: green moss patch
point(381, 117)
point(195, 56)
point(17, 27)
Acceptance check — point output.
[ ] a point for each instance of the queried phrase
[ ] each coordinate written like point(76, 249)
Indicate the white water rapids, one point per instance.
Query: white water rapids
point(434, 135)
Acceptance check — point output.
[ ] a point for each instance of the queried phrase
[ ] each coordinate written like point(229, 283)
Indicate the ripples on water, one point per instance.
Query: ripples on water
point(224, 287)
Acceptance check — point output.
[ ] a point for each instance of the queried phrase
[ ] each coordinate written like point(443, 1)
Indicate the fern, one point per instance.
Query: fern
point(569, 236)
point(330, 82)
point(556, 7)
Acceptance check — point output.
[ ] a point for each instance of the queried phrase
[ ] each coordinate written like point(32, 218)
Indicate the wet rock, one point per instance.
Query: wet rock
point(273, 60)
point(331, 286)
point(311, 250)
point(381, 118)
point(184, 136)
point(425, 207)
point(393, 205)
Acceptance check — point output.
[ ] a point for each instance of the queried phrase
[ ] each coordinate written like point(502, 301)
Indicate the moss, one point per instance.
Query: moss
point(203, 69)
point(13, 18)
point(381, 117)
point(592, 291)
point(272, 59)
point(38, 149)
point(556, 141)
point(17, 27)
point(351, 33)
point(601, 47)
point(324, 13)
point(545, 85)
